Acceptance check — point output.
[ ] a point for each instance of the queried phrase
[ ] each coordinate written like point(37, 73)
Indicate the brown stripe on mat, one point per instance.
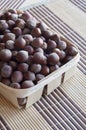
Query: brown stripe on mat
point(80, 3)
point(55, 23)
point(5, 4)
point(3, 124)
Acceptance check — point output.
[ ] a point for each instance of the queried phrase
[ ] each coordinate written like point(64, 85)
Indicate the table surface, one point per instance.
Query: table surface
point(63, 109)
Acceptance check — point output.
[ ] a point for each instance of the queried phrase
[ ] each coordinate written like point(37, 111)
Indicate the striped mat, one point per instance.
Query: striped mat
point(80, 3)
point(59, 109)
point(5, 4)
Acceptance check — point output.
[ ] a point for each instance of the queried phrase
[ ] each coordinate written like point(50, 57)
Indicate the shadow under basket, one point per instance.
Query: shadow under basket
point(23, 98)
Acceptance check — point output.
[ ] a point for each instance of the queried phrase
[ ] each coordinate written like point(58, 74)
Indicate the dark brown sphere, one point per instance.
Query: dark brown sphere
point(72, 51)
point(67, 59)
point(13, 64)
point(31, 23)
point(39, 77)
point(45, 70)
point(17, 76)
point(36, 32)
point(22, 101)
point(26, 31)
point(6, 71)
point(2, 46)
point(26, 16)
point(29, 49)
point(37, 42)
point(29, 76)
point(44, 46)
point(22, 56)
point(62, 55)
point(15, 85)
point(13, 17)
point(53, 68)
point(42, 26)
point(39, 58)
point(47, 34)
point(27, 84)
point(51, 45)
point(53, 59)
point(9, 36)
point(5, 55)
point(39, 50)
point(23, 67)
point(10, 44)
point(28, 38)
point(5, 81)
point(17, 31)
point(55, 38)
point(36, 68)
point(20, 23)
point(3, 25)
point(62, 45)
point(20, 43)
point(57, 51)
point(11, 24)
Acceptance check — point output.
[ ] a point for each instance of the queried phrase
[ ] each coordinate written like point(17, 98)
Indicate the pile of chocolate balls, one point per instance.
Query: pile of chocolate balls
point(29, 50)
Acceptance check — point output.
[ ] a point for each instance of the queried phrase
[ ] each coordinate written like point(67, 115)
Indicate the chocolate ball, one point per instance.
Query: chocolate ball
point(44, 46)
point(5, 55)
point(51, 45)
point(23, 67)
point(5, 81)
point(27, 84)
point(22, 101)
point(11, 24)
point(15, 85)
point(39, 58)
point(13, 64)
point(39, 50)
point(42, 26)
point(6, 71)
point(55, 38)
point(37, 42)
point(36, 32)
point(62, 45)
point(20, 43)
point(9, 36)
point(45, 70)
point(29, 76)
point(36, 68)
point(3, 25)
point(26, 16)
point(17, 31)
point(47, 34)
point(72, 50)
point(28, 38)
point(29, 49)
point(39, 77)
point(53, 68)
point(31, 23)
point(22, 56)
point(10, 44)
point(20, 23)
point(17, 76)
point(26, 31)
point(53, 59)
point(2, 46)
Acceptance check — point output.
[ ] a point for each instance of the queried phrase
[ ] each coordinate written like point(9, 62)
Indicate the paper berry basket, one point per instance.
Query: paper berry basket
point(44, 86)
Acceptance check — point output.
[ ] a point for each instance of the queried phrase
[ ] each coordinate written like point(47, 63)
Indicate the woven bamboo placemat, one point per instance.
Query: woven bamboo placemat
point(63, 109)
